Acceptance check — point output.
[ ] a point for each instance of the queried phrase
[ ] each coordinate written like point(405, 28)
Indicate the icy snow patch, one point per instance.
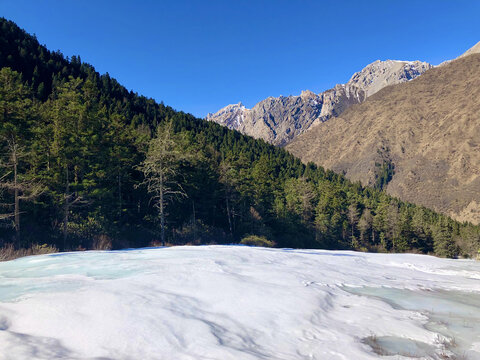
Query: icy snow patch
point(232, 302)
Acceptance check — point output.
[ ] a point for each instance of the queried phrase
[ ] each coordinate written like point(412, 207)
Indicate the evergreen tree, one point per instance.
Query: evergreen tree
point(443, 243)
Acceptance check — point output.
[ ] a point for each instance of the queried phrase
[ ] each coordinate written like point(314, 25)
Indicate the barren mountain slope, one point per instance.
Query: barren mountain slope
point(280, 120)
point(473, 50)
point(428, 128)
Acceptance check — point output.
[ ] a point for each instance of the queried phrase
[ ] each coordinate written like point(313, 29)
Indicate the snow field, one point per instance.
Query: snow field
point(234, 302)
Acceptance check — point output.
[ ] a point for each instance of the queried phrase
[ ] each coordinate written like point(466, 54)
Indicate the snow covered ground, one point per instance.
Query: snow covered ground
point(232, 302)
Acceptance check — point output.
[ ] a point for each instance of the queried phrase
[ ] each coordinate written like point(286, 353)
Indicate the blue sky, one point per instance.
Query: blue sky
point(198, 56)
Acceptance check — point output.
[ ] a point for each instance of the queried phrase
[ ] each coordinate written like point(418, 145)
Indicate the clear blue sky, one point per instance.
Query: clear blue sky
point(198, 56)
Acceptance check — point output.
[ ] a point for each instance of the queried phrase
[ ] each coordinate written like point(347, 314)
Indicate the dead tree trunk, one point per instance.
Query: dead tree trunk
point(66, 211)
point(229, 216)
point(119, 196)
point(162, 211)
point(16, 190)
point(194, 223)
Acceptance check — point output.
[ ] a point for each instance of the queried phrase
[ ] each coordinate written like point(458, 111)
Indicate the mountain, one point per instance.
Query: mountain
point(420, 140)
point(83, 160)
point(280, 120)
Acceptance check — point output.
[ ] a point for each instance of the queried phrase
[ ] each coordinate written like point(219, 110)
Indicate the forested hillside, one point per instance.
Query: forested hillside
point(86, 163)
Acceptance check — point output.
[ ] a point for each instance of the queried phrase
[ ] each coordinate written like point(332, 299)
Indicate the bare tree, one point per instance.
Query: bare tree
point(22, 190)
point(353, 216)
point(161, 170)
point(70, 200)
point(364, 224)
point(16, 110)
point(228, 179)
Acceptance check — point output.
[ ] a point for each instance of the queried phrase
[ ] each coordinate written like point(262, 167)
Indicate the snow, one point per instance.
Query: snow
point(233, 302)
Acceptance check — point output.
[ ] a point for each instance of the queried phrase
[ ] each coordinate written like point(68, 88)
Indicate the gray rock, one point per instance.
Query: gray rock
point(279, 120)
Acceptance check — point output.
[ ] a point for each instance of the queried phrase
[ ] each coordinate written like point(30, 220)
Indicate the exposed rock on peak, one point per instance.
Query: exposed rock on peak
point(307, 94)
point(231, 116)
point(279, 120)
point(380, 74)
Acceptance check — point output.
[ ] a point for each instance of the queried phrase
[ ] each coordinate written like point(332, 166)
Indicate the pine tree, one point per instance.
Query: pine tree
point(444, 244)
point(300, 196)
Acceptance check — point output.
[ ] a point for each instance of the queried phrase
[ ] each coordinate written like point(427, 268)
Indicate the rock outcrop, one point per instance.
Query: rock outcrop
point(279, 120)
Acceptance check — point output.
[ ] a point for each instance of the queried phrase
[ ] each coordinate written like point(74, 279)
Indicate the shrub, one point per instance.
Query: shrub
point(102, 242)
point(255, 240)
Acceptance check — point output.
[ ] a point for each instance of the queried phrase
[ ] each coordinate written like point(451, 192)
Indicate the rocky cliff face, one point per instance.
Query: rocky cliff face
point(231, 116)
point(280, 120)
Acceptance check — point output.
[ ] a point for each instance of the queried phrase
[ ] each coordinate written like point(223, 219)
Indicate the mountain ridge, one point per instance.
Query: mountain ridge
point(278, 120)
point(427, 128)
point(475, 49)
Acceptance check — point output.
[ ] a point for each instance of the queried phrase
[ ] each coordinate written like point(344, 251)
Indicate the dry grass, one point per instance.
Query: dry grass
point(429, 128)
point(8, 251)
point(372, 341)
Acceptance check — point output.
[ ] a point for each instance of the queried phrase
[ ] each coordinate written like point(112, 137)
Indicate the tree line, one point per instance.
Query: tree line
point(85, 162)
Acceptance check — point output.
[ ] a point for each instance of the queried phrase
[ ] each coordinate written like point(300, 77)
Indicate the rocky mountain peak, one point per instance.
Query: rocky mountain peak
point(307, 94)
point(380, 74)
point(279, 120)
point(231, 116)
